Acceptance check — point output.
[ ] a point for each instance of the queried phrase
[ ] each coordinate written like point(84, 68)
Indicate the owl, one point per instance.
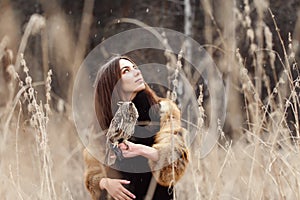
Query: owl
point(120, 130)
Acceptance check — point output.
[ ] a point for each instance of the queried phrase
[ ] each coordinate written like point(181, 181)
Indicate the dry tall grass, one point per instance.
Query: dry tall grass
point(40, 153)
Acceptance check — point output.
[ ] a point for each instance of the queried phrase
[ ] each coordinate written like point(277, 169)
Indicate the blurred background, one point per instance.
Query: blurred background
point(254, 43)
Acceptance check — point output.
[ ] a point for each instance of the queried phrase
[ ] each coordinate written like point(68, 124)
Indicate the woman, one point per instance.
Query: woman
point(147, 153)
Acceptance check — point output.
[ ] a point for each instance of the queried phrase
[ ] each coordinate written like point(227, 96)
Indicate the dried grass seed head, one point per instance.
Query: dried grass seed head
point(31, 93)
point(250, 34)
point(38, 22)
point(47, 108)
point(269, 37)
point(12, 72)
point(28, 80)
point(30, 108)
point(23, 63)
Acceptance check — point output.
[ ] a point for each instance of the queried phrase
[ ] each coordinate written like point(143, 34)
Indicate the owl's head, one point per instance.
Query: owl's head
point(128, 110)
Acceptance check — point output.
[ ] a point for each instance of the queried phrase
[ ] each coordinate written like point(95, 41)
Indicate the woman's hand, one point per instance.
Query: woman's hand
point(131, 149)
point(115, 188)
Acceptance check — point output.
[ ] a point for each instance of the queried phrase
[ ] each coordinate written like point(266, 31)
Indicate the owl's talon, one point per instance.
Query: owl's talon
point(117, 151)
point(115, 144)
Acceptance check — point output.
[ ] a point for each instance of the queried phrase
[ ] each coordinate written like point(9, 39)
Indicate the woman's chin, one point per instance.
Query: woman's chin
point(140, 87)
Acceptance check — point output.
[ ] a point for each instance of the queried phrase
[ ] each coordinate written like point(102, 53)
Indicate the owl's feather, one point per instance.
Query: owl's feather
point(120, 130)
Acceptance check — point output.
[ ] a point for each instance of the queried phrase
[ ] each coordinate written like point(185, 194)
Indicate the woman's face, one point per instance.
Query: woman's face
point(132, 80)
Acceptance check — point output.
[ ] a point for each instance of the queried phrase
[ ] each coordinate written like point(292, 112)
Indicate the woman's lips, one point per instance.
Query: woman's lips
point(139, 80)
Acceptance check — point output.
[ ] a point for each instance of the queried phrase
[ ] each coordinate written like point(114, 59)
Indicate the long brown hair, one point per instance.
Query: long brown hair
point(107, 90)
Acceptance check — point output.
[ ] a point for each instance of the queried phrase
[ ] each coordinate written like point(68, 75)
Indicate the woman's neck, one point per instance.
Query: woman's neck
point(128, 96)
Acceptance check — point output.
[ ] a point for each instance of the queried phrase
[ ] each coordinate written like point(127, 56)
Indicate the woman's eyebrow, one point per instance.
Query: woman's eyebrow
point(125, 67)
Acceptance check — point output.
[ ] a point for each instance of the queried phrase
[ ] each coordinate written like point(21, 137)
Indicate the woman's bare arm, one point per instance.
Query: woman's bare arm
point(139, 150)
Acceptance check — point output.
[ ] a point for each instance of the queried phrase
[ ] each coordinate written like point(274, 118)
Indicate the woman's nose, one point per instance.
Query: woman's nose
point(137, 72)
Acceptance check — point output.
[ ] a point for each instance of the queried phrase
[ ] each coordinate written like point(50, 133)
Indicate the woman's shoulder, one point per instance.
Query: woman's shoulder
point(167, 105)
point(169, 113)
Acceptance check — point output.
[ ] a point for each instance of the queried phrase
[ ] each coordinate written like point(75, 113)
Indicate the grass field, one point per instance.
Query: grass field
point(41, 153)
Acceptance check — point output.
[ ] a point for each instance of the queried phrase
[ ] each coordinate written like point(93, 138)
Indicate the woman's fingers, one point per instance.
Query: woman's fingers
point(115, 187)
point(130, 149)
point(123, 146)
point(128, 194)
point(124, 196)
point(124, 181)
point(124, 193)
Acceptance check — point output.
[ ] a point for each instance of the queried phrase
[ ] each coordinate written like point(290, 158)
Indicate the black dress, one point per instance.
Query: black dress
point(136, 169)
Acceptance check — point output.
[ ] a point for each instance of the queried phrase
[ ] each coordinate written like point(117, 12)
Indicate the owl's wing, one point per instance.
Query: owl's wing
point(120, 125)
point(115, 128)
point(129, 128)
point(110, 132)
point(110, 157)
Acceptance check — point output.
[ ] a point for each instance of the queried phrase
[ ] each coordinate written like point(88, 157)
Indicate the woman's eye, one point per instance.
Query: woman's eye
point(125, 71)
